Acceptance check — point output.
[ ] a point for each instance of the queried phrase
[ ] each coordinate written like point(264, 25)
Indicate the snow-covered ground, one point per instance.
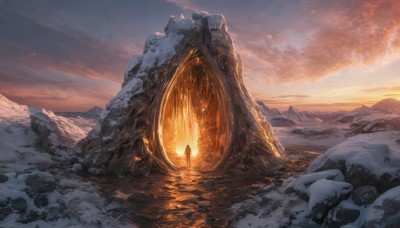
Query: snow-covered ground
point(355, 183)
point(38, 186)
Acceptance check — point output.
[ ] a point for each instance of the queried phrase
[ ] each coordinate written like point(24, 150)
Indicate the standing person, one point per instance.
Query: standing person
point(188, 151)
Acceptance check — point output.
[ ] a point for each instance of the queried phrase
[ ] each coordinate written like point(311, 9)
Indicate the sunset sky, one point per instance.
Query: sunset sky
point(70, 55)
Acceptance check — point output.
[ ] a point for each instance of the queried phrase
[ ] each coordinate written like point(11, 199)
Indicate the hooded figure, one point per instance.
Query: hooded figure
point(188, 151)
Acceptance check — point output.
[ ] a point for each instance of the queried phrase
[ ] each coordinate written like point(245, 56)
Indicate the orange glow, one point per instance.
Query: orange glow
point(195, 112)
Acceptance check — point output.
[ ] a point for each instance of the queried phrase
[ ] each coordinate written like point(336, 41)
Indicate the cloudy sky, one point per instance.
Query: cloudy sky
point(69, 55)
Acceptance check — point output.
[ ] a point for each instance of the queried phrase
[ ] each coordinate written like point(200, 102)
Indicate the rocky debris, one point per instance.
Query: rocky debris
point(19, 204)
point(40, 183)
point(3, 177)
point(385, 211)
point(342, 214)
point(325, 194)
point(314, 132)
point(4, 212)
point(364, 195)
point(281, 121)
point(31, 216)
point(301, 185)
point(41, 201)
point(374, 123)
point(362, 162)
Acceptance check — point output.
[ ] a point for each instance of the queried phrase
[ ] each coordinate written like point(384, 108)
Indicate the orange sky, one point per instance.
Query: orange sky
point(316, 55)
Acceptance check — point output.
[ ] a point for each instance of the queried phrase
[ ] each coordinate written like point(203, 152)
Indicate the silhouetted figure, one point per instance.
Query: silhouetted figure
point(188, 151)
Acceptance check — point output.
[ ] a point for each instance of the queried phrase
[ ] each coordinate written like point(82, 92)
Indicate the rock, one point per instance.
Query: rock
point(94, 171)
point(362, 161)
point(364, 195)
point(344, 213)
point(73, 160)
point(140, 196)
point(19, 204)
point(4, 212)
point(3, 178)
point(31, 216)
point(374, 123)
point(281, 121)
point(40, 183)
point(385, 210)
point(314, 132)
point(53, 214)
point(41, 201)
point(300, 186)
point(77, 167)
point(325, 194)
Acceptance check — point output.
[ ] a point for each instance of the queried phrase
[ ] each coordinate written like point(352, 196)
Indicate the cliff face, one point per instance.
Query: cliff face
point(193, 65)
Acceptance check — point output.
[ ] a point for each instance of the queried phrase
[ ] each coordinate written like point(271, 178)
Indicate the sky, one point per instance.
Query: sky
point(318, 55)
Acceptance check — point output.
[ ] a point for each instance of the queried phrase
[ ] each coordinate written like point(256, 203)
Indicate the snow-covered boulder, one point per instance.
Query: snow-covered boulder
point(54, 130)
point(374, 123)
point(281, 121)
point(364, 195)
point(368, 159)
point(344, 213)
point(325, 194)
point(301, 185)
point(385, 211)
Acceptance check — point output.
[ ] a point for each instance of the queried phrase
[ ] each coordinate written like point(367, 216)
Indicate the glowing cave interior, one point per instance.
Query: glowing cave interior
point(195, 111)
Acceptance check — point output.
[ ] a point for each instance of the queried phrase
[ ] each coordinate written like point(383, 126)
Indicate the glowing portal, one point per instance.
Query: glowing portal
point(195, 112)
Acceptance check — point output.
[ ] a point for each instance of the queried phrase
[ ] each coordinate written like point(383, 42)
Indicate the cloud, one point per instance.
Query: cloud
point(383, 89)
point(309, 40)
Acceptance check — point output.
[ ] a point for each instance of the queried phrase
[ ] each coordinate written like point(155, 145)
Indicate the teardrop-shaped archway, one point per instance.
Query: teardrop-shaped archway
point(195, 111)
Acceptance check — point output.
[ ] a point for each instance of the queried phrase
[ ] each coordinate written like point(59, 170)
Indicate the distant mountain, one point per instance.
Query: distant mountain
point(93, 113)
point(298, 116)
point(389, 105)
point(269, 112)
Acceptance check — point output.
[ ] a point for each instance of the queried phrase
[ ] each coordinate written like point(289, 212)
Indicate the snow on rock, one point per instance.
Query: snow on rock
point(281, 121)
point(385, 211)
point(315, 132)
point(301, 185)
point(368, 159)
point(268, 112)
point(296, 115)
point(10, 110)
point(344, 213)
point(54, 130)
point(374, 123)
point(325, 194)
point(356, 113)
point(271, 207)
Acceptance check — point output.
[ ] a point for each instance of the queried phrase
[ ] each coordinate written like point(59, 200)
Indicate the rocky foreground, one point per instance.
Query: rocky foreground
point(354, 184)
